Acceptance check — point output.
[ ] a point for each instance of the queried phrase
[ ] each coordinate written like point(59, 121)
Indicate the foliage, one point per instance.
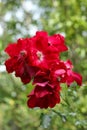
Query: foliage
point(54, 16)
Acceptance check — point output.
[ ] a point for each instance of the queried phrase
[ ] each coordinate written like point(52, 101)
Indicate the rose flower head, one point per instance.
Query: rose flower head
point(37, 60)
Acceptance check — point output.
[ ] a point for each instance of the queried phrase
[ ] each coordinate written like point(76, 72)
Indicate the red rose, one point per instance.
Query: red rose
point(19, 60)
point(72, 76)
point(43, 97)
point(58, 72)
point(41, 54)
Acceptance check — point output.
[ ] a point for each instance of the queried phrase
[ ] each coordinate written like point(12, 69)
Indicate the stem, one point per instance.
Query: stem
point(59, 114)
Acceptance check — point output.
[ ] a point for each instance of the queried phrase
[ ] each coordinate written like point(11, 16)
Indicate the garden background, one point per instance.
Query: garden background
point(22, 18)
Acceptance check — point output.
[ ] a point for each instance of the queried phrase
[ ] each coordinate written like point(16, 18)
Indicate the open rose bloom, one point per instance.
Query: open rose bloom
point(37, 59)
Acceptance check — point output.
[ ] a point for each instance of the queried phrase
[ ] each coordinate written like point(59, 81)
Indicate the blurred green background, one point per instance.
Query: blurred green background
point(22, 18)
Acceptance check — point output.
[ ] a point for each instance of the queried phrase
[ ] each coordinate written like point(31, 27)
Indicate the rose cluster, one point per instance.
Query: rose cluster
point(37, 60)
